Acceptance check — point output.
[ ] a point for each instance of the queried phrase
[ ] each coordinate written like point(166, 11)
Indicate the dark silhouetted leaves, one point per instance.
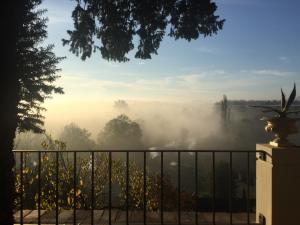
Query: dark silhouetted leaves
point(285, 105)
point(283, 102)
point(291, 99)
point(116, 22)
point(36, 68)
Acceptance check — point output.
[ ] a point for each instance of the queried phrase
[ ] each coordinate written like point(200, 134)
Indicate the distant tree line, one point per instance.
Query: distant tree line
point(118, 133)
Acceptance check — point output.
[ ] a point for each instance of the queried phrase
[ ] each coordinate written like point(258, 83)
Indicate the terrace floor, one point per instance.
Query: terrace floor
point(118, 217)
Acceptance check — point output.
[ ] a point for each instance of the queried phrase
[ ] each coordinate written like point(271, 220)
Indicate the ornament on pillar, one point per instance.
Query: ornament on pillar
point(280, 123)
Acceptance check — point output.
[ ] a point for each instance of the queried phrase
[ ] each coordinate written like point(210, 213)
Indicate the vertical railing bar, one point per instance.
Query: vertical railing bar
point(179, 183)
point(109, 186)
point(196, 188)
point(56, 189)
point(74, 188)
point(127, 187)
point(39, 188)
point(93, 189)
point(145, 189)
point(214, 188)
point(162, 188)
point(21, 191)
point(230, 186)
point(248, 188)
point(15, 178)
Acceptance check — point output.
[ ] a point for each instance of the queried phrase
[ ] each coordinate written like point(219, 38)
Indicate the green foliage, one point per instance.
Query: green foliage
point(83, 180)
point(36, 68)
point(222, 182)
point(66, 190)
point(121, 133)
point(285, 105)
point(117, 22)
point(101, 179)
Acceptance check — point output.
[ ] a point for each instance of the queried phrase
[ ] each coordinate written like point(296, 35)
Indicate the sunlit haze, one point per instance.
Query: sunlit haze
point(255, 55)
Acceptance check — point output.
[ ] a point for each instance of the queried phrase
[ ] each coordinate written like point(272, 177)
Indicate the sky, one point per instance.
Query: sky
point(255, 55)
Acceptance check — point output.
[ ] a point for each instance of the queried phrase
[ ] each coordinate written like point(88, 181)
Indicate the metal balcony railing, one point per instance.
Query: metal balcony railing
point(35, 168)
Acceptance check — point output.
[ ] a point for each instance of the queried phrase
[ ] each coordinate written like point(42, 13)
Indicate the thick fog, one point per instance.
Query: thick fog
point(163, 125)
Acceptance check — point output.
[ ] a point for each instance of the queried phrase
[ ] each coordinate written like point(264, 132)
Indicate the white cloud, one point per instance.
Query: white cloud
point(276, 73)
point(207, 86)
point(269, 72)
point(284, 59)
point(191, 78)
point(205, 49)
point(111, 64)
point(189, 86)
point(157, 83)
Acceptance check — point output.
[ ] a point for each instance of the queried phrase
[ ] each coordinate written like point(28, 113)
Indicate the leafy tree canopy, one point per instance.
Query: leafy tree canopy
point(120, 133)
point(116, 22)
point(76, 138)
point(36, 68)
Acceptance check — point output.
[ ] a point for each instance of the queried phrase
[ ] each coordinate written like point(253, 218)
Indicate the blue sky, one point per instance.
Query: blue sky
point(256, 54)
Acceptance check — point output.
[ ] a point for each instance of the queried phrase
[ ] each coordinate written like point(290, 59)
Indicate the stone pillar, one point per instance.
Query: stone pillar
point(278, 185)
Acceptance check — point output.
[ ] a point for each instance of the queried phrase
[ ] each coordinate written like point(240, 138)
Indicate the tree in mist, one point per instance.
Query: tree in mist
point(23, 90)
point(117, 22)
point(120, 133)
point(29, 140)
point(76, 138)
point(121, 105)
point(225, 111)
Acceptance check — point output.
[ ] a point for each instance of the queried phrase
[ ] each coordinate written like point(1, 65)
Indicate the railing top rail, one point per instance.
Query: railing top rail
point(146, 150)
